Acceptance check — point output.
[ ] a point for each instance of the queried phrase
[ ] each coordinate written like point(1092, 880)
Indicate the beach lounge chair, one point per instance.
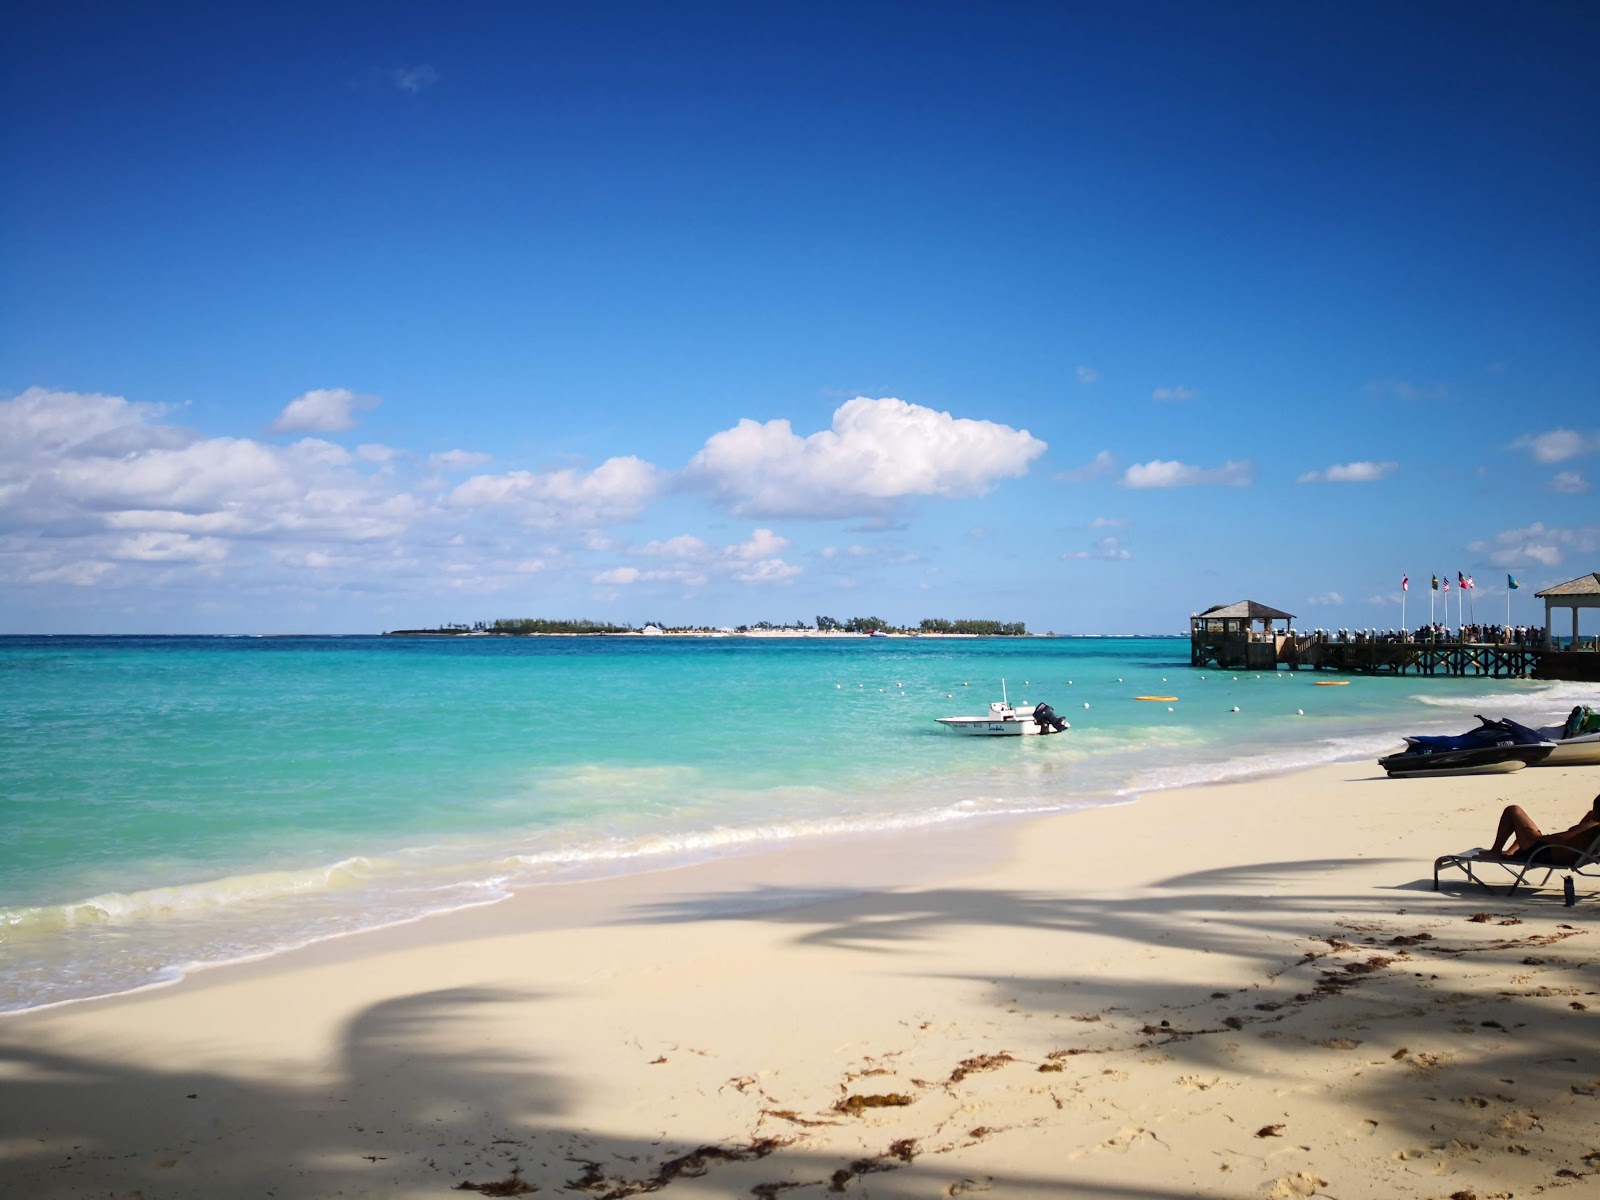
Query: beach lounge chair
point(1519, 869)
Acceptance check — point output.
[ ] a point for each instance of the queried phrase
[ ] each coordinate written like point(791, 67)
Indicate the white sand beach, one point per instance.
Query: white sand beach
point(1243, 990)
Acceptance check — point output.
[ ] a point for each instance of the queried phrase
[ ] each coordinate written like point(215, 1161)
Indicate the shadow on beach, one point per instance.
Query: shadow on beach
point(1454, 1027)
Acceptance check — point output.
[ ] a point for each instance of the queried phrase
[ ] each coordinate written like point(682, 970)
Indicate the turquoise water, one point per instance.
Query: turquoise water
point(168, 802)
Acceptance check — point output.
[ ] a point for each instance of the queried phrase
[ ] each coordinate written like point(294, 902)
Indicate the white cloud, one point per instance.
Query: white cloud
point(84, 573)
point(1356, 472)
point(1110, 523)
point(153, 546)
point(325, 410)
point(376, 452)
point(1087, 375)
point(1325, 600)
point(1101, 464)
point(1160, 474)
point(1557, 445)
point(877, 453)
point(691, 562)
point(458, 460)
point(617, 490)
point(40, 423)
point(1537, 545)
point(1570, 483)
point(1174, 394)
point(414, 79)
point(1106, 547)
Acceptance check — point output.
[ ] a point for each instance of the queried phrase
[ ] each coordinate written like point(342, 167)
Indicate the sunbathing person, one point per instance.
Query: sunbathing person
point(1519, 837)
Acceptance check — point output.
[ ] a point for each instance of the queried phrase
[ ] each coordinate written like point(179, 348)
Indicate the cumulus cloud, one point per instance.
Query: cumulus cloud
point(692, 562)
point(458, 460)
point(617, 490)
point(878, 453)
point(1101, 464)
point(1557, 445)
point(153, 546)
point(1569, 483)
point(1087, 375)
point(1160, 474)
point(325, 410)
point(97, 491)
point(1356, 472)
point(1537, 545)
point(1106, 547)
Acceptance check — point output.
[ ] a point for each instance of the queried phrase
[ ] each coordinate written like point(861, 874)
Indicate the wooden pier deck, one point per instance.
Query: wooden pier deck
point(1313, 652)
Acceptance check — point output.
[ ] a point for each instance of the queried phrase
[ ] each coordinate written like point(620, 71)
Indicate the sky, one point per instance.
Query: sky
point(341, 318)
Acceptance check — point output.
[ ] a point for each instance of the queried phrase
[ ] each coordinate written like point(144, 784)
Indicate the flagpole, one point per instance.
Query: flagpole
point(1404, 580)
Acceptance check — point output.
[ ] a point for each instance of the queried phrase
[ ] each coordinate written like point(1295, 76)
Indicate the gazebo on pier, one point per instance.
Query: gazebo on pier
point(1226, 636)
point(1582, 592)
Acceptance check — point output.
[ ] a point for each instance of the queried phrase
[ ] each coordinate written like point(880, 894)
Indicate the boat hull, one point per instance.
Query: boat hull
point(1489, 760)
point(985, 727)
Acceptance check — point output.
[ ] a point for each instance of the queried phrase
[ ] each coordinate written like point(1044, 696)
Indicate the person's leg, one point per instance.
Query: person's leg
point(1517, 827)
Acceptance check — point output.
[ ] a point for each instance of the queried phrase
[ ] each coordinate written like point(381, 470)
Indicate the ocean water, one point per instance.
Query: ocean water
point(174, 802)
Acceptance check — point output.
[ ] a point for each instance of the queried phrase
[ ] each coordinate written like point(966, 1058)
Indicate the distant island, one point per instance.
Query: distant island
point(821, 627)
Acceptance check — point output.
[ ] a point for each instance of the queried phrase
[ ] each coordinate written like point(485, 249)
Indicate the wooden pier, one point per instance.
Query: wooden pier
point(1246, 637)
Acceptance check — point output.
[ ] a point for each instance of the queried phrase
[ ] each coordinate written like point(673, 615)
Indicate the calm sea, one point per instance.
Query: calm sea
point(167, 802)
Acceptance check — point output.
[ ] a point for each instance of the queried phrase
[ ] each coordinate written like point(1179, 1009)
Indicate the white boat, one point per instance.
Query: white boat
point(1002, 720)
point(1577, 740)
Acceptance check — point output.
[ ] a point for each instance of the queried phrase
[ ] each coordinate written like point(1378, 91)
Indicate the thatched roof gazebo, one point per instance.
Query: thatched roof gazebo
point(1239, 617)
point(1226, 635)
point(1582, 592)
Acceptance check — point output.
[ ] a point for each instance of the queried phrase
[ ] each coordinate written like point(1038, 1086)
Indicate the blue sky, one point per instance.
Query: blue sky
point(343, 318)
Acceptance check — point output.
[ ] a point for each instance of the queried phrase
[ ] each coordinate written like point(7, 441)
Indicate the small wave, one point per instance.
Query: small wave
point(185, 900)
point(1261, 765)
point(1522, 696)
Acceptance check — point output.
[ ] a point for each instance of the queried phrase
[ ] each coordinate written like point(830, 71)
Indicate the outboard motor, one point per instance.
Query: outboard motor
point(1045, 717)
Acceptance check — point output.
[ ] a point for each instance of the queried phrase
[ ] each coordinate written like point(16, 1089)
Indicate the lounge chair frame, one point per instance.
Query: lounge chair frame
point(1520, 868)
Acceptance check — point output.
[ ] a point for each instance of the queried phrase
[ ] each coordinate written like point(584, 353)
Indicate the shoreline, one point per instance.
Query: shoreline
point(1085, 1003)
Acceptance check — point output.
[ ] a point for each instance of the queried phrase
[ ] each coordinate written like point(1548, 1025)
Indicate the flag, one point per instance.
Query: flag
point(1436, 583)
point(1461, 581)
point(1405, 583)
point(1447, 585)
point(1511, 584)
point(1469, 585)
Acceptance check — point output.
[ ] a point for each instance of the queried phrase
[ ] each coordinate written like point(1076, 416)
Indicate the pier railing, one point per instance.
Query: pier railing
point(1363, 655)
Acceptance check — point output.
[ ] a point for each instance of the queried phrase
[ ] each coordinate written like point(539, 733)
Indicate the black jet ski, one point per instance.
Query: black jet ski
point(1491, 748)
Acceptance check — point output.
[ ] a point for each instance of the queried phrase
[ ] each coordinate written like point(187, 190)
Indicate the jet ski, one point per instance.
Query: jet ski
point(1492, 748)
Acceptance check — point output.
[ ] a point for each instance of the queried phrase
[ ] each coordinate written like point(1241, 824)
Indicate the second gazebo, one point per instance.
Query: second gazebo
point(1226, 636)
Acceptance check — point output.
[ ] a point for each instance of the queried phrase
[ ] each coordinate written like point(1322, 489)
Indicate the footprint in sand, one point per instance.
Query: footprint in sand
point(965, 1187)
point(1199, 1083)
point(1297, 1183)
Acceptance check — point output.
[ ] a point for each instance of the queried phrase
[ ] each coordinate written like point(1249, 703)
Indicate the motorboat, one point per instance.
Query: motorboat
point(1494, 747)
point(1004, 720)
point(1577, 739)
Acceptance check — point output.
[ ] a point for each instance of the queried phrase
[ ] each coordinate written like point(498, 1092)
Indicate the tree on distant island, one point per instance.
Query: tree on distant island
point(980, 628)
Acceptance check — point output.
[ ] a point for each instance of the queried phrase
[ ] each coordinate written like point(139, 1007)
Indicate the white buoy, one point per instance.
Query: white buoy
point(949, 695)
point(1235, 708)
point(838, 685)
point(1163, 679)
point(1300, 712)
point(1170, 708)
point(1119, 678)
point(1086, 704)
point(966, 685)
